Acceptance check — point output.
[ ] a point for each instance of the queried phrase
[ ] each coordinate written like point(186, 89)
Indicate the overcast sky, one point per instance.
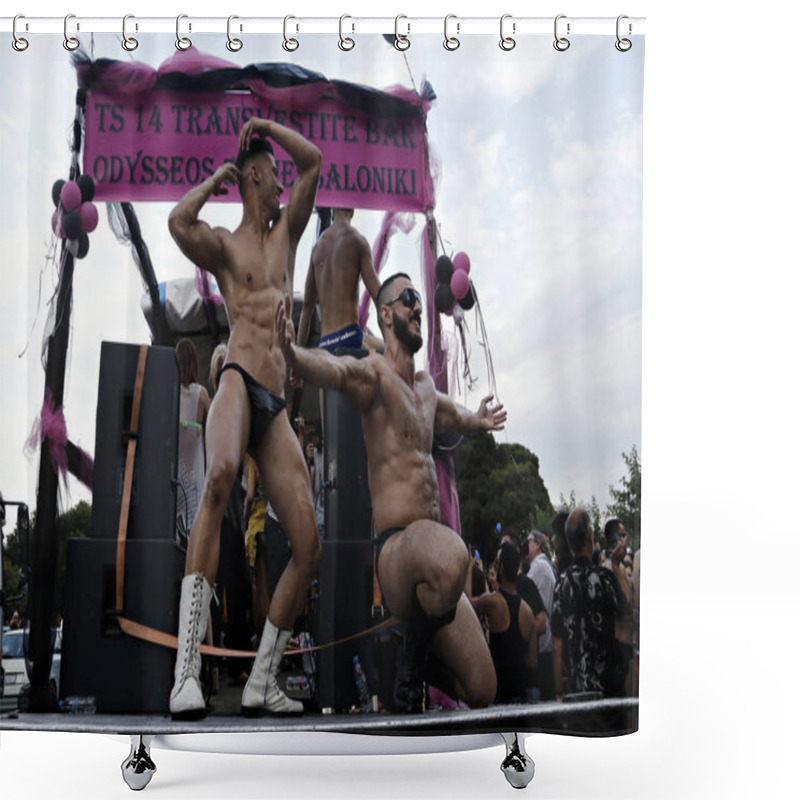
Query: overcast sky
point(541, 186)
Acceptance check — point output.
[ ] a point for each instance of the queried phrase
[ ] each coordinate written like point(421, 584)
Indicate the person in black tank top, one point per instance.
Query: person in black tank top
point(513, 641)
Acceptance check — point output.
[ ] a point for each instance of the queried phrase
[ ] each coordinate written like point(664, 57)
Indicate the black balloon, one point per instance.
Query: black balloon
point(56, 191)
point(83, 246)
point(86, 185)
point(73, 225)
point(468, 300)
point(443, 299)
point(444, 269)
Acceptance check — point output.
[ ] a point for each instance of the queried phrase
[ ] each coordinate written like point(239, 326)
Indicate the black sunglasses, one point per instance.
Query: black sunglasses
point(408, 297)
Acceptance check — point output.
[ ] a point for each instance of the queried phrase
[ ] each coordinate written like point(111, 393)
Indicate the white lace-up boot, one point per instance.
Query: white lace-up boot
point(186, 699)
point(261, 694)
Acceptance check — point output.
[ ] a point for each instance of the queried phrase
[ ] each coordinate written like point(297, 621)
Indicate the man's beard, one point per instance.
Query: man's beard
point(413, 341)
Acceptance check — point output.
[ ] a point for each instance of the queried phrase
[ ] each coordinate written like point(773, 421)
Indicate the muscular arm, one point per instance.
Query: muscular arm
point(356, 378)
point(492, 606)
point(529, 628)
point(452, 417)
point(367, 270)
point(198, 241)
point(309, 303)
point(306, 157)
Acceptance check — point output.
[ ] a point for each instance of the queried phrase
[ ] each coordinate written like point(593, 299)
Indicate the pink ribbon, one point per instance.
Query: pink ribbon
point(52, 426)
point(203, 286)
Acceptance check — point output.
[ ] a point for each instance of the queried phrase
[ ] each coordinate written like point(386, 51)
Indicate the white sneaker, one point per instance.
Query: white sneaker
point(186, 700)
point(261, 694)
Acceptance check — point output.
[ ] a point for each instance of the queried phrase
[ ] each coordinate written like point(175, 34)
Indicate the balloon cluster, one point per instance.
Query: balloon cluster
point(76, 215)
point(454, 285)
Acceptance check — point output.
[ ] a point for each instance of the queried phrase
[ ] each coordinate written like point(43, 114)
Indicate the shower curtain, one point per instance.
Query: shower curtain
point(504, 185)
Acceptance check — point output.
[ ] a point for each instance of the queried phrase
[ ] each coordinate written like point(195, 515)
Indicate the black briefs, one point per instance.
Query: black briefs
point(384, 537)
point(264, 406)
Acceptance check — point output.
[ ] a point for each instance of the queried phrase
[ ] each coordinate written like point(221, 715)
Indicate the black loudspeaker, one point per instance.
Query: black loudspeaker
point(152, 510)
point(344, 608)
point(124, 674)
point(348, 509)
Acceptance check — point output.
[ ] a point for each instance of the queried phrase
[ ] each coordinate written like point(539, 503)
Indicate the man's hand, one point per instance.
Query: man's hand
point(227, 173)
point(285, 329)
point(491, 419)
point(254, 126)
point(618, 553)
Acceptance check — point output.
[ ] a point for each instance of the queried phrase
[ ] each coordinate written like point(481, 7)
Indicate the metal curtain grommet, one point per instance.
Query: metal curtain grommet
point(561, 43)
point(18, 42)
point(290, 45)
point(451, 42)
point(182, 42)
point(70, 42)
point(507, 42)
point(345, 43)
point(401, 42)
point(128, 42)
point(623, 45)
point(233, 44)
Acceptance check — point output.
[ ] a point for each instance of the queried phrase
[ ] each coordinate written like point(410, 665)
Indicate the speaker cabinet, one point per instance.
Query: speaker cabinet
point(344, 609)
point(125, 675)
point(152, 512)
point(348, 509)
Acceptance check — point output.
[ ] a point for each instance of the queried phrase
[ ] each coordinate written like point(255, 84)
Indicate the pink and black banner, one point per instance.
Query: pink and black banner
point(155, 145)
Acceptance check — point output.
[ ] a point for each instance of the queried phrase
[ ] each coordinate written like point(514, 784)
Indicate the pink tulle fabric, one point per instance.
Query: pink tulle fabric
point(51, 426)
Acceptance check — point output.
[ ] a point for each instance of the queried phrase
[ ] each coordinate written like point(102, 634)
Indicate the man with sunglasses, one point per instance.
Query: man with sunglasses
point(421, 564)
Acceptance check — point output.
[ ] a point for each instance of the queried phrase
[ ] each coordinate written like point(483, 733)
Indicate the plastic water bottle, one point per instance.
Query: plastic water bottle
point(78, 705)
point(362, 690)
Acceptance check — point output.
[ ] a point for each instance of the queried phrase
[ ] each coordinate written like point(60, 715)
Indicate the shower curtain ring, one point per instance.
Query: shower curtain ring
point(70, 42)
point(561, 43)
point(623, 45)
point(507, 42)
point(18, 42)
point(128, 42)
point(401, 42)
point(290, 45)
point(233, 44)
point(182, 42)
point(451, 42)
point(345, 43)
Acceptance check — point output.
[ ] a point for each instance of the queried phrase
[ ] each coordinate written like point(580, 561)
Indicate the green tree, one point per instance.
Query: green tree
point(627, 498)
point(73, 523)
point(498, 483)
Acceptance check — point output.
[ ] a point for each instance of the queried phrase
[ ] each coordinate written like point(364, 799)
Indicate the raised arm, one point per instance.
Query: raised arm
point(306, 157)
point(197, 239)
point(452, 417)
point(356, 378)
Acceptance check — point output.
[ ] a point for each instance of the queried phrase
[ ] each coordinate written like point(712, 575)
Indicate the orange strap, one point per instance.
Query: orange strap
point(125, 506)
point(154, 636)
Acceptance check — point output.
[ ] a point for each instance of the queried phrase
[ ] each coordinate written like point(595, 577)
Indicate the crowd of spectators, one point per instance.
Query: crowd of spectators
point(569, 603)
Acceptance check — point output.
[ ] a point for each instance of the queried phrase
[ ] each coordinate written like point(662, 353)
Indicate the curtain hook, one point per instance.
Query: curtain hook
point(70, 42)
point(182, 42)
point(346, 43)
point(290, 45)
point(401, 42)
point(623, 45)
point(507, 42)
point(18, 43)
point(234, 45)
point(561, 43)
point(451, 42)
point(128, 42)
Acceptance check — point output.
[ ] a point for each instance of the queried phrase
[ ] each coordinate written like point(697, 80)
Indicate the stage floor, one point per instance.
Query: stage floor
point(550, 717)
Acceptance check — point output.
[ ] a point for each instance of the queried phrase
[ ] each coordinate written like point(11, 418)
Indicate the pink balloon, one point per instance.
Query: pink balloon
point(459, 284)
point(89, 216)
point(70, 196)
point(461, 261)
point(57, 223)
